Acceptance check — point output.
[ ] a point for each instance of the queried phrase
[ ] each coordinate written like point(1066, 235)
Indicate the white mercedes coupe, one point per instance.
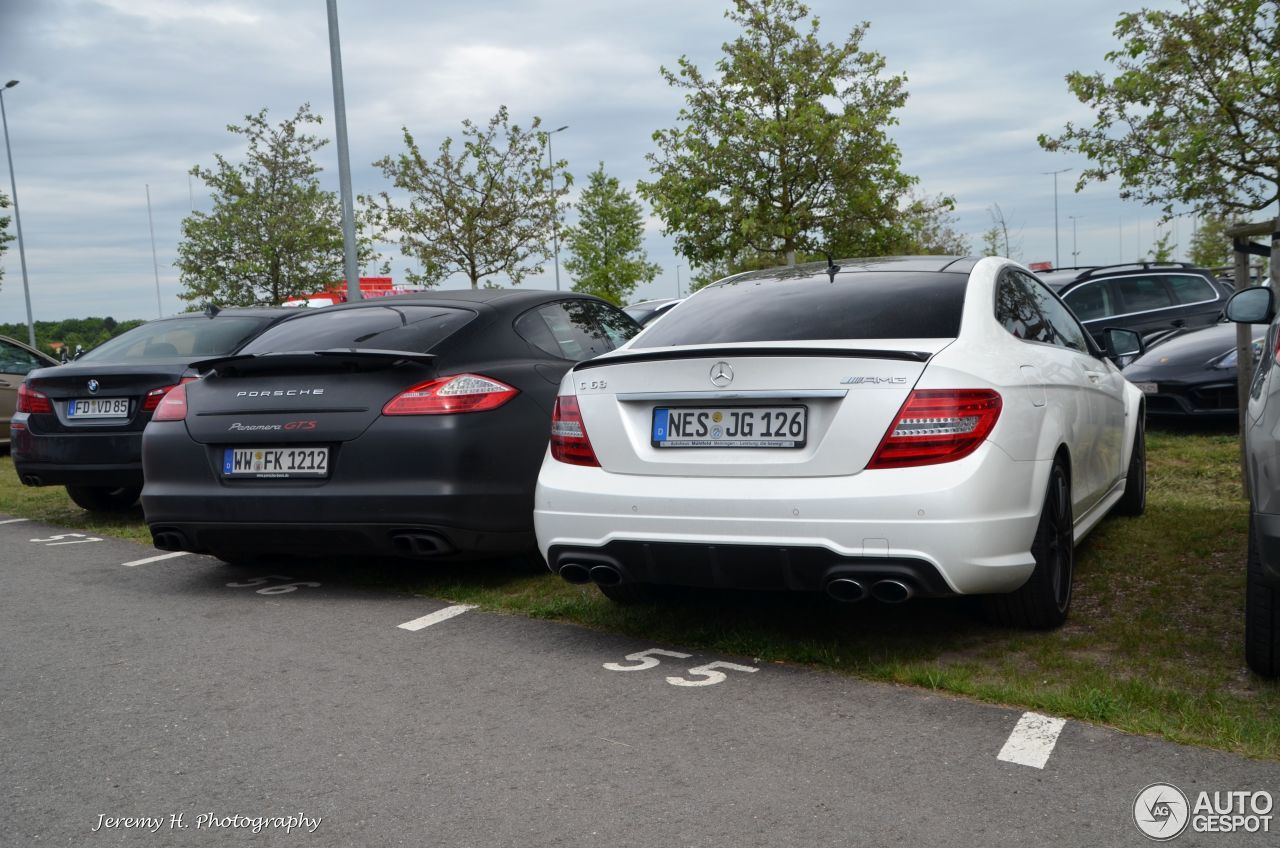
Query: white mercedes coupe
point(899, 427)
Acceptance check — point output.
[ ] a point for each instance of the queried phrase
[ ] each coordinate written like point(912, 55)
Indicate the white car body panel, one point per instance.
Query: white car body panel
point(973, 519)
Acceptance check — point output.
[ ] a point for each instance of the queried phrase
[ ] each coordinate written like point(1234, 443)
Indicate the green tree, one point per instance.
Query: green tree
point(1190, 115)
point(1163, 249)
point(486, 209)
point(606, 257)
point(5, 238)
point(783, 150)
point(273, 232)
point(991, 242)
point(927, 226)
point(1210, 244)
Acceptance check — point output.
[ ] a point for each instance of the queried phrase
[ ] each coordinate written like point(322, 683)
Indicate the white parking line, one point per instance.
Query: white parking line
point(157, 558)
point(1032, 740)
point(14, 520)
point(436, 617)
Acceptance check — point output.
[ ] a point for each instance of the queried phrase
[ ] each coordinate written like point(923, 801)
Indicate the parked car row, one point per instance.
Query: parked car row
point(892, 428)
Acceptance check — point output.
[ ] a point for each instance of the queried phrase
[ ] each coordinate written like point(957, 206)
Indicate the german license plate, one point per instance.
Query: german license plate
point(98, 408)
point(275, 463)
point(730, 427)
point(1149, 388)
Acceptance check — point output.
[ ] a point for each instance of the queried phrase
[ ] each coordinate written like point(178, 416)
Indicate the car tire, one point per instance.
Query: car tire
point(1134, 500)
point(1261, 616)
point(1043, 601)
point(627, 594)
point(104, 498)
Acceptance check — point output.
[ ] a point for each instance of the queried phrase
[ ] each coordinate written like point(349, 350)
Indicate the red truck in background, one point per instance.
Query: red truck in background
point(337, 293)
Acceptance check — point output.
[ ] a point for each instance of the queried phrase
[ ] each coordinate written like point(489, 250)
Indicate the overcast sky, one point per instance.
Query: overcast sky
point(116, 95)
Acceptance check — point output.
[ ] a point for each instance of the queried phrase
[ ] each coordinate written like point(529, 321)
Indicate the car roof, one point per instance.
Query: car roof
point(957, 264)
point(506, 298)
point(1063, 279)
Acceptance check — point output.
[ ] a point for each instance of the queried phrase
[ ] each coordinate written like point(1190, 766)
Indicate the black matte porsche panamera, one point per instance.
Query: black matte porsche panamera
point(408, 426)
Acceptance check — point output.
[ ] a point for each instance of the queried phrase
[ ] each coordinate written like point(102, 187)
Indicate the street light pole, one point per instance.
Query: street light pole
point(1075, 254)
point(349, 262)
point(677, 281)
point(1057, 261)
point(555, 224)
point(17, 218)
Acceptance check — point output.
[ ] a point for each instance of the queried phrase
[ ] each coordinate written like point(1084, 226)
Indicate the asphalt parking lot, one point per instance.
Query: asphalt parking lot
point(171, 700)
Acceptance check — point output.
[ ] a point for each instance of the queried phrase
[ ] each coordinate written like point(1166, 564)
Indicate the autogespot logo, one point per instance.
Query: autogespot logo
point(1161, 812)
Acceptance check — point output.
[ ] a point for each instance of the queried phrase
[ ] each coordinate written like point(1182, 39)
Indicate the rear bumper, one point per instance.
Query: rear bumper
point(381, 490)
point(971, 522)
point(409, 540)
point(78, 459)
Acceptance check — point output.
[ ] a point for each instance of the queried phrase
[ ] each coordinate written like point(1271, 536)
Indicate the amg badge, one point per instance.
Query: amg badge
point(880, 381)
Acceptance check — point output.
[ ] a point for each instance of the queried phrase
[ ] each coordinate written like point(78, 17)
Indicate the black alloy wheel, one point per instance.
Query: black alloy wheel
point(1043, 601)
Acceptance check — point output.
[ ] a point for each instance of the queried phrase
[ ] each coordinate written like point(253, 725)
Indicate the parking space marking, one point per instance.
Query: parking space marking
point(436, 617)
point(14, 520)
point(1032, 740)
point(157, 558)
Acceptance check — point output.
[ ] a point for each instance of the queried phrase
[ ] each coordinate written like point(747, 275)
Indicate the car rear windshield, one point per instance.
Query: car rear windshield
point(178, 337)
point(416, 328)
point(860, 305)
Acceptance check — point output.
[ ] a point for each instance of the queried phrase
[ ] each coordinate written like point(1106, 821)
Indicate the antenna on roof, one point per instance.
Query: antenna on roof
point(211, 310)
point(832, 267)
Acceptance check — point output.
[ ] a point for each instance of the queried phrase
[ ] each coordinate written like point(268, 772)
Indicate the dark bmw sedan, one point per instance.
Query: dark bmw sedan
point(1192, 374)
point(408, 426)
point(80, 425)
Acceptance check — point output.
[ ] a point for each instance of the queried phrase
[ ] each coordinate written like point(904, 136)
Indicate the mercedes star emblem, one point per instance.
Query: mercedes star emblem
point(721, 374)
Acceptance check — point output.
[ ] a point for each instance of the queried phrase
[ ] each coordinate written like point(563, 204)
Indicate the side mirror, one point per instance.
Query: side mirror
point(1121, 343)
point(1255, 305)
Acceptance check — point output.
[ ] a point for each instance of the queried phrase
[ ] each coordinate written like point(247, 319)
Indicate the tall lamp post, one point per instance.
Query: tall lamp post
point(1057, 262)
point(17, 219)
point(1075, 254)
point(555, 227)
point(350, 264)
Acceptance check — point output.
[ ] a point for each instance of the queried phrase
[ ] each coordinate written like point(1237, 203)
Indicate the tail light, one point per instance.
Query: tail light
point(171, 406)
point(569, 440)
point(938, 425)
point(152, 398)
point(29, 400)
point(450, 395)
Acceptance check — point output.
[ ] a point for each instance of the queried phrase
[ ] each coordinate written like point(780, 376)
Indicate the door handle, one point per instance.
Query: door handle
point(5, 384)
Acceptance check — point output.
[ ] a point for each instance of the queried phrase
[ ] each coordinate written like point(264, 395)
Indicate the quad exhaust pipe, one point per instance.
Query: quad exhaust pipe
point(581, 572)
point(847, 590)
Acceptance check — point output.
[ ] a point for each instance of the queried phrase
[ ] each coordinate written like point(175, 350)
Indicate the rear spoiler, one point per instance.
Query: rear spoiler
point(715, 353)
point(246, 363)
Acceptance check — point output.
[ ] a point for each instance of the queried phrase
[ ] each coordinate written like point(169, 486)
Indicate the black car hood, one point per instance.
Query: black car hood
point(1194, 348)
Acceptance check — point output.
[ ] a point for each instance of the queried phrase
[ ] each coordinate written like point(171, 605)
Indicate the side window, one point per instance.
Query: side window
point(567, 330)
point(1090, 301)
point(15, 360)
point(1066, 331)
point(1143, 293)
point(618, 326)
point(1189, 289)
point(1016, 311)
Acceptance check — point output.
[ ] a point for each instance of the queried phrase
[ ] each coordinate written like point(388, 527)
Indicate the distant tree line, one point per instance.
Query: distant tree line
point(75, 334)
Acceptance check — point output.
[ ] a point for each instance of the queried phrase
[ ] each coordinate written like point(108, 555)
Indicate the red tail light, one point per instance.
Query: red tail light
point(569, 441)
point(450, 395)
point(938, 425)
point(29, 400)
point(171, 406)
point(152, 398)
